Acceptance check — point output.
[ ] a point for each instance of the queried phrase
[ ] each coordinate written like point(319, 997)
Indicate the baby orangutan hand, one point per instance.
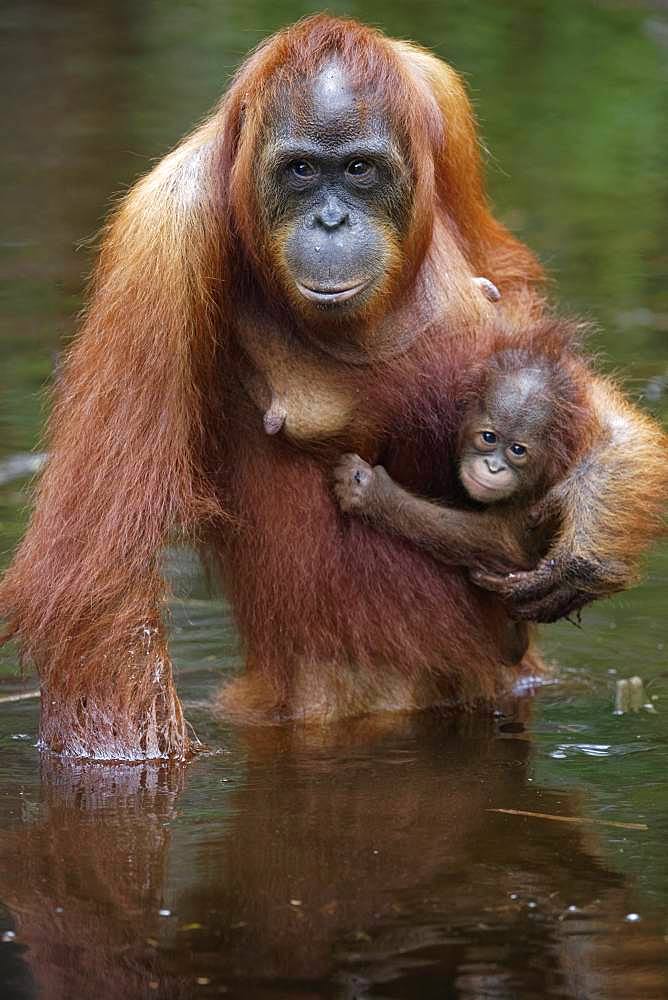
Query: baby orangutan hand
point(354, 483)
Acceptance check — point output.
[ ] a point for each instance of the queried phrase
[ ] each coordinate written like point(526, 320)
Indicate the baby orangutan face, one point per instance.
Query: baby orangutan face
point(502, 453)
point(492, 466)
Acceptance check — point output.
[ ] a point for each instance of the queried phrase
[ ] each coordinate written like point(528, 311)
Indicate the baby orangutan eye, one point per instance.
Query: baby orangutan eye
point(517, 453)
point(488, 437)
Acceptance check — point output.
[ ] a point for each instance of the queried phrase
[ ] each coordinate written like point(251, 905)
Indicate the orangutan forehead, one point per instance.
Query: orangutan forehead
point(332, 92)
point(331, 105)
point(519, 403)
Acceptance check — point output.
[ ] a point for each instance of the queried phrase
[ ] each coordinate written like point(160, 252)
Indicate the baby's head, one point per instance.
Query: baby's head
point(509, 435)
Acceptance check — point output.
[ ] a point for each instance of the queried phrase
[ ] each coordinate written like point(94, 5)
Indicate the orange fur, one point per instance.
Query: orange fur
point(617, 491)
point(152, 433)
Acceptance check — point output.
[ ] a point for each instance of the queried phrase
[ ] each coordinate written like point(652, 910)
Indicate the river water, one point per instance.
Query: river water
point(371, 860)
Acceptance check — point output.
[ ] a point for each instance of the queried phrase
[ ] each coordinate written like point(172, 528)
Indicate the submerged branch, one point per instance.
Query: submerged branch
point(584, 820)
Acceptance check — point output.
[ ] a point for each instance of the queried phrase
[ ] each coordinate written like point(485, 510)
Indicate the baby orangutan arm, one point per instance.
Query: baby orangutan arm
point(610, 506)
point(458, 537)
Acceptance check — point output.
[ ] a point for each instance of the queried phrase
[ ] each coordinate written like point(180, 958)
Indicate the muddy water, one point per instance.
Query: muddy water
point(372, 860)
point(368, 863)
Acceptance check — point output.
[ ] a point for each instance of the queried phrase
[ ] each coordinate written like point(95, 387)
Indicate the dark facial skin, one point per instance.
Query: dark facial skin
point(503, 448)
point(337, 195)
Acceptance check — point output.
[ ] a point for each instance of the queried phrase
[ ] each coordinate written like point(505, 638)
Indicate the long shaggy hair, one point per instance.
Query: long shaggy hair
point(151, 436)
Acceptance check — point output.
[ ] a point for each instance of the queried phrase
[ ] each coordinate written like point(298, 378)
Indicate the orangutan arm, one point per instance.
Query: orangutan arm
point(610, 507)
point(458, 537)
point(126, 472)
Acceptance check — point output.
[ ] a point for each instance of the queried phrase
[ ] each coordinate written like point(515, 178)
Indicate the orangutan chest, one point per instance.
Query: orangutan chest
point(314, 409)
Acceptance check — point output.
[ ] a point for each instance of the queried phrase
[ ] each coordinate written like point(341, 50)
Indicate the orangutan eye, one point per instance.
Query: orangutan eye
point(518, 450)
point(488, 437)
point(361, 172)
point(303, 170)
point(359, 168)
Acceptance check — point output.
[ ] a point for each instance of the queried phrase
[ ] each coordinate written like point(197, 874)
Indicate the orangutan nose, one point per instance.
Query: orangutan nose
point(332, 215)
point(494, 465)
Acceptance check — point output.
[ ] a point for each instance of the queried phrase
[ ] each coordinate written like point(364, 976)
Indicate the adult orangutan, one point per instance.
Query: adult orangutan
point(319, 233)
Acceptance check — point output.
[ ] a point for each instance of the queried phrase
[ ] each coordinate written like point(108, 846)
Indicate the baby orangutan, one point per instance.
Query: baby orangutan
point(513, 448)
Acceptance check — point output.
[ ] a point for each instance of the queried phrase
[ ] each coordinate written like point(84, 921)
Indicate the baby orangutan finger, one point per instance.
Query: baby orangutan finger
point(559, 604)
point(521, 586)
point(596, 576)
point(498, 583)
point(352, 479)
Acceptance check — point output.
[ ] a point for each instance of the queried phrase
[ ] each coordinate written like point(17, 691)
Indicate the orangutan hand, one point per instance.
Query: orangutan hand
point(557, 587)
point(353, 483)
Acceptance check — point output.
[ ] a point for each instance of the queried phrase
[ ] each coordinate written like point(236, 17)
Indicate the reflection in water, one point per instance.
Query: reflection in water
point(358, 864)
point(82, 879)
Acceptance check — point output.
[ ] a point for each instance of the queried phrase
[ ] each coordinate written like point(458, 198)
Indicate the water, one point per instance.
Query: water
point(369, 861)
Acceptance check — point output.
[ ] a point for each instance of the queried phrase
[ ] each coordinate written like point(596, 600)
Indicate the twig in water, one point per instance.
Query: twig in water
point(23, 696)
point(585, 820)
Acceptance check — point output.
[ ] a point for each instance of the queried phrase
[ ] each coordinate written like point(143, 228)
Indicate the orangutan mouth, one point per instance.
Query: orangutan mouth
point(331, 296)
point(489, 492)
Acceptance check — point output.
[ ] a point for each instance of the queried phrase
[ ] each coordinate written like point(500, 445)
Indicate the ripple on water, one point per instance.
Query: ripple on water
point(565, 750)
